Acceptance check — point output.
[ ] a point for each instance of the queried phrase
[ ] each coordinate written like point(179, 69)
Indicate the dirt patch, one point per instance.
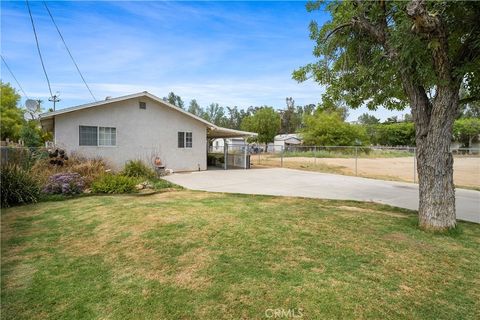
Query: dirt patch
point(466, 169)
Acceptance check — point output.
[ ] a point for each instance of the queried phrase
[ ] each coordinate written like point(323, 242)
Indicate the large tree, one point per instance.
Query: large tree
point(399, 53)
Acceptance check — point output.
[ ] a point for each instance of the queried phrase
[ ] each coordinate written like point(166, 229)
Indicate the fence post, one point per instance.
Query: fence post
point(281, 157)
point(225, 154)
point(356, 158)
point(414, 164)
point(315, 155)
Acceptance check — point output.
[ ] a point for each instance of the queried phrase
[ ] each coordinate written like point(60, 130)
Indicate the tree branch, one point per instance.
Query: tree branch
point(336, 29)
point(469, 99)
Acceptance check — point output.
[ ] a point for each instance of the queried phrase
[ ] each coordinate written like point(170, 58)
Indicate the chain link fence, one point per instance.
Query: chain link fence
point(388, 163)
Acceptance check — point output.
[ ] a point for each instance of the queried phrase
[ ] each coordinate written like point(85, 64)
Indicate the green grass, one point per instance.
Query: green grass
point(347, 153)
point(195, 255)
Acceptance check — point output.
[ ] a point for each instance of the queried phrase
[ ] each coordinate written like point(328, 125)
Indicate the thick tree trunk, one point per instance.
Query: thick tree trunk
point(435, 161)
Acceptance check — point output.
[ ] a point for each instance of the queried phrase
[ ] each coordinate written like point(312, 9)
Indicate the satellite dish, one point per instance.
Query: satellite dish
point(32, 105)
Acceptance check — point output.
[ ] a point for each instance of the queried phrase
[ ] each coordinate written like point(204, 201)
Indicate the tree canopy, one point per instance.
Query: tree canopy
point(265, 121)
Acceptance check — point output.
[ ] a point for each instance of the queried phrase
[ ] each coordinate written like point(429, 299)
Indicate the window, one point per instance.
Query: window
point(107, 136)
point(181, 139)
point(97, 136)
point(185, 139)
point(88, 136)
point(188, 139)
point(142, 105)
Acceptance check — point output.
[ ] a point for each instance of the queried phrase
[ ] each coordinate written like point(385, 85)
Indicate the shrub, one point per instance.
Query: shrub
point(89, 169)
point(67, 183)
point(138, 169)
point(17, 186)
point(111, 183)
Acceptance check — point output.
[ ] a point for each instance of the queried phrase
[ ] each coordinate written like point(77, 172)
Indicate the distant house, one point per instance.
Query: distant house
point(232, 143)
point(138, 126)
point(283, 141)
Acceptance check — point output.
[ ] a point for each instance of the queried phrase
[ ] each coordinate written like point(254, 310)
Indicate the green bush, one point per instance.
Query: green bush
point(17, 186)
point(111, 183)
point(138, 169)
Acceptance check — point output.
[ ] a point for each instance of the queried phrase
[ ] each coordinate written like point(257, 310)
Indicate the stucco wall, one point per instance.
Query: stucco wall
point(141, 134)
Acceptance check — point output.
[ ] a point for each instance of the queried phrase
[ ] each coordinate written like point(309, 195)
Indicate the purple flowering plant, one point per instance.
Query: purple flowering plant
point(68, 183)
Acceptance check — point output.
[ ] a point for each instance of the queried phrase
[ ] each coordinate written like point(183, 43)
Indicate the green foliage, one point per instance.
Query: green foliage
point(215, 114)
point(466, 130)
point(194, 108)
point(368, 119)
point(265, 121)
point(17, 186)
point(175, 100)
point(11, 117)
point(329, 129)
point(393, 134)
point(359, 68)
point(138, 169)
point(111, 183)
point(30, 133)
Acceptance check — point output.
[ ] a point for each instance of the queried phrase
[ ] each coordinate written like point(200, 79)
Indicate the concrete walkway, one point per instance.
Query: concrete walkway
point(288, 182)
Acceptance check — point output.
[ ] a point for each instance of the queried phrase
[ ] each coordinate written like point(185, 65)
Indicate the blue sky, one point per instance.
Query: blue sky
point(232, 53)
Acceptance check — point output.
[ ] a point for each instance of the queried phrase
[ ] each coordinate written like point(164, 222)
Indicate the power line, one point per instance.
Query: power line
point(68, 50)
point(38, 48)
point(18, 83)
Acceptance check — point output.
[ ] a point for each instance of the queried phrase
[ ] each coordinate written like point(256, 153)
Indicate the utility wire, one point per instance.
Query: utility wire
point(38, 49)
point(18, 83)
point(68, 50)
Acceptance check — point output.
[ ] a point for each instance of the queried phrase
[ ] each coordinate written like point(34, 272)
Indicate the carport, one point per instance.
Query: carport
point(233, 157)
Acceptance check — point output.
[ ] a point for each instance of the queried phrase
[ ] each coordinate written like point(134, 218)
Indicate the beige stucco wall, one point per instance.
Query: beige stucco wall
point(141, 134)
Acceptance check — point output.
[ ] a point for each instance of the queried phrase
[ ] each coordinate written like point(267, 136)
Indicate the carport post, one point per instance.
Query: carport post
point(225, 153)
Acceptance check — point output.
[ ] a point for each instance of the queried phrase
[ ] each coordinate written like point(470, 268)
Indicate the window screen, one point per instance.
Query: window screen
point(88, 136)
point(181, 139)
point(188, 139)
point(107, 136)
point(142, 105)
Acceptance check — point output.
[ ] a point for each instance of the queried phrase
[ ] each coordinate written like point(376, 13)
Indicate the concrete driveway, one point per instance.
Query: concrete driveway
point(288, 182)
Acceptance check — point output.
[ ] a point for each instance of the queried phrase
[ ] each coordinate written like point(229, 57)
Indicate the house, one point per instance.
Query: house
point(283, 141)
point(137, 126)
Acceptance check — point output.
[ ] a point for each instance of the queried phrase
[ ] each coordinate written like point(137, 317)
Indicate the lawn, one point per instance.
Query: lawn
point(196, 255)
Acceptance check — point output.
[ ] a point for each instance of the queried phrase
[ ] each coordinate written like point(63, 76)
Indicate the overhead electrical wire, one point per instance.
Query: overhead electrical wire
point(68, 50)
point(38, 49)
point(13, 76)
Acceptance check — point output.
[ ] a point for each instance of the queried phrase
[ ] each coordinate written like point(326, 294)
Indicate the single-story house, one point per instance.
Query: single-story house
point(137, 126)
point(283, 141)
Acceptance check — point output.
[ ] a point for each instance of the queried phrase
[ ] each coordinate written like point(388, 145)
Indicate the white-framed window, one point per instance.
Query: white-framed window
point(88, 136)
point(107, 136)
point(97, 136)
point(188, 139)
point(185, 139)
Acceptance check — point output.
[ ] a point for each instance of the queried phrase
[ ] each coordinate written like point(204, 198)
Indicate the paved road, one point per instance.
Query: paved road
point(288, 182)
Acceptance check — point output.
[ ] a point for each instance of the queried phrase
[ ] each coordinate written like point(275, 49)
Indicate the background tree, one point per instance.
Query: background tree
point(291, 119)
point(394, 134)
point(175, 100)
point(398, 53)
point(11, 116)
point(195, 108)
point(328, 129)
point(368, 119)
point(266, 122)
point(466, 131)
point(235, 117)
point(215, 114)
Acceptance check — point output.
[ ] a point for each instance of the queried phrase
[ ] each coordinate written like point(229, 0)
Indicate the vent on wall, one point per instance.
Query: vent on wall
point(142, 105)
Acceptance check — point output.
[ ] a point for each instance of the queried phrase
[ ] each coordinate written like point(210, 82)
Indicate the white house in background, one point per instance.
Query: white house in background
point(233, 143)
point(283, 141)
point(137, 126)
